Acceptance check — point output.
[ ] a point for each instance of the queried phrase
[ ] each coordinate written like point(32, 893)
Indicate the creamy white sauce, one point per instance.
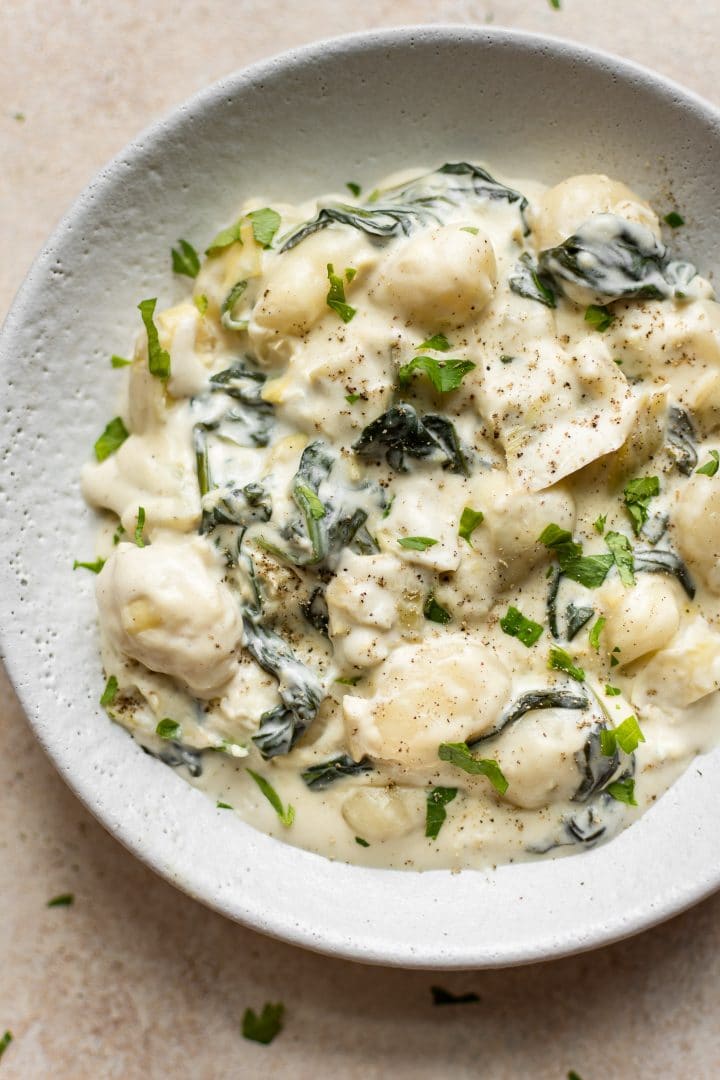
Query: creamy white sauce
point(275, 619)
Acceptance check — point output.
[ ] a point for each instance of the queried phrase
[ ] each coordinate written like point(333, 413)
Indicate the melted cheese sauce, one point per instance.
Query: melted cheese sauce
point(306, 599)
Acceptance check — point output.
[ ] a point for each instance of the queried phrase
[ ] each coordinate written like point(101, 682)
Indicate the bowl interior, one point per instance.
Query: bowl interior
point(289, 128)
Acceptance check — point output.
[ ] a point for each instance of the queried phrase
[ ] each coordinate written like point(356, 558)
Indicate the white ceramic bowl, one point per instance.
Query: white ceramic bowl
point(290, 127)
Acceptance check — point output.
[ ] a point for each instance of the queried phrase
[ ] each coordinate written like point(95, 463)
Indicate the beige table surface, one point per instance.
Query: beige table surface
point(136, 980)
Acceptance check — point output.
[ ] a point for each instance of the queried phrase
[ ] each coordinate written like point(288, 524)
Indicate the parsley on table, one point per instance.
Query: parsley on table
point(95, 567)
point(266, 1026)
point(674, 220)
point(119, 361)
point(63, 900)
point(5, 1041)
point(441, 996)
point(110, 692)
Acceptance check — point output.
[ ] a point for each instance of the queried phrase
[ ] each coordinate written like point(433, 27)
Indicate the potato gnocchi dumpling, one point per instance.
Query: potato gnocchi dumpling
point(410, 538)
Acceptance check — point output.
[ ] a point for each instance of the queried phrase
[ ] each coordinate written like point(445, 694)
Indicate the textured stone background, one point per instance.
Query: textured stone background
point(136, 980)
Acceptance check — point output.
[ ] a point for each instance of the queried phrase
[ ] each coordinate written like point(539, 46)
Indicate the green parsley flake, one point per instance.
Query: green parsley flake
point(599, 317)
point(7, 1037)
point(599, 524)
point(638, 494)
point(435, 812)
point(286, 816)
point(554, 4)
point(469, 521)
point(516, 625)
point(110, 692)
point(352, 398)
point(119, 361)
point(438, 343)
point(434, 612)
point(336, 296)
point(111, 439)
point(710, 467)
point(353, 188)
point(472, 229)
point(349, 680)
point(623, 791)
point(595, 632)
point(158, 358)
point(226, 237)
point(441, 996)
point(626, 735)
point(63, 900)
point(168, 729)
point(266, 1026)
point(562, 661)
point(587, 570)
point(139, 527)
point(363, 843)
point(572, 1075)
point(118, 534)
point(612, 691)
point(674, 220)
point(185, 259)
point(95, 567)
point(224, 806)
point(227, 308)
point(506, 359)
point(416, 543)
point(459, 754)
point(445, 375)
point(622, 555)
point(201, 303)
point(265, 223)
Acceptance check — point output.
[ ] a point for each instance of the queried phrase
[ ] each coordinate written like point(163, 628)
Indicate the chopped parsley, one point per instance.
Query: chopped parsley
point(469, 521)
point(118, 534)
point(265, 223)
point(599, 524)
point(459, 754)
point(435, 612)
point(710, 467)
point(111, 439)
point(349, 680)
point(63, 900)
point(674, 220)
point(266, 1026)
point(224, 806)
point(445, 375)
point(7, 1037)
point(505, 359)
point(287, 816)
point(612, 691)
point(554, 4)
point(168, 729)
point(139, 527)
point(516, 625)
point(226, 237)
point(227, 308)
point(622, 555)
point(562, 661)
point(336, 296)
point(119, 361)
point(363, 843)
point(185, 259)
point(587, 570)
point(626, 735)
point(638, 494)
point(623, 791)
point(352, 398)
point(438, 343)
point(158, 358)
point(595, 632)
point(441, 996)
point(599, 317)
point(110, 692)
point(416, 543)
point(435, 812)
point(353, 188)
point(95, 567)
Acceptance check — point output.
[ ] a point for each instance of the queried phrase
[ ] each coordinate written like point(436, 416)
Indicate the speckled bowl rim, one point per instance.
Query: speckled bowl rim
point(475, 919)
